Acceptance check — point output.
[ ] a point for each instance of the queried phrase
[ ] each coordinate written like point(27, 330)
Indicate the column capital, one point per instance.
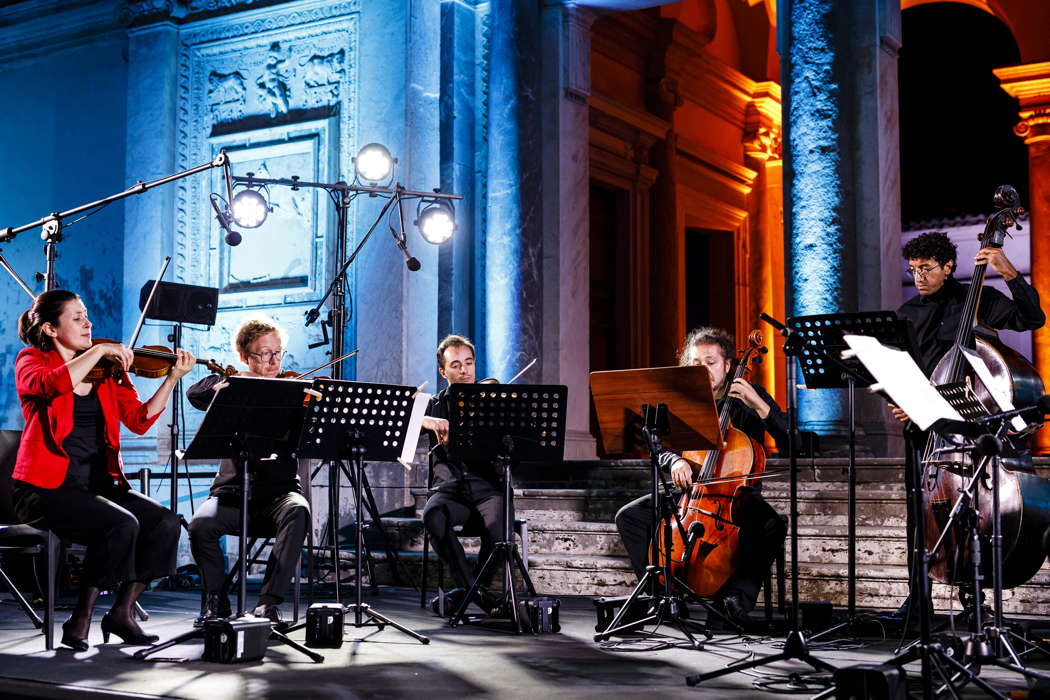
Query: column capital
point(1030, 84)
point(762, 123)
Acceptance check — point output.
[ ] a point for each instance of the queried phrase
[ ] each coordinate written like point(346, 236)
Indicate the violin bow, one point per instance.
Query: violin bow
point(523, 371)
point(149, 300)
point(329, 363)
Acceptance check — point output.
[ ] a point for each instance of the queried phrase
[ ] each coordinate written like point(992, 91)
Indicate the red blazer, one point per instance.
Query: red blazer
point(46, 393)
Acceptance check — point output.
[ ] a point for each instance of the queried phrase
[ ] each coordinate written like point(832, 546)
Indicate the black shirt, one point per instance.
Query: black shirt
point(745, 419)
point(448, 473)
point(935, 317)
point(82, 443)
point(270, 478)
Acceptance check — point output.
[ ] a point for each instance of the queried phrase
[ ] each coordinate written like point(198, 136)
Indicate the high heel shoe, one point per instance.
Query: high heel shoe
point(71, 641)
point(128, 634)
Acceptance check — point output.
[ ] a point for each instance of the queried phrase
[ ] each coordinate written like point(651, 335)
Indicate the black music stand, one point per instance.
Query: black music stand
point(514, 422)
point(823, 367)
point(351, 422)
point(674, 405)
point(249, 419)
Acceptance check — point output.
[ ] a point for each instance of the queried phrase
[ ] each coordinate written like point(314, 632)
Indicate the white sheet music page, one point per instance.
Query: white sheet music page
point(1001, 397)
point(415, 424)
point(902, 379)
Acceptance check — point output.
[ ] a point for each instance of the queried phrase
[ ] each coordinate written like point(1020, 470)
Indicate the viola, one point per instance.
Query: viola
point(292, 374)
point(151, 361)
point(707, 561)
point(1023, 495)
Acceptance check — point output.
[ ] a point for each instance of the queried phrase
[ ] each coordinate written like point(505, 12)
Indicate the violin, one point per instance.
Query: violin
point(151, 362)
point(704, 549)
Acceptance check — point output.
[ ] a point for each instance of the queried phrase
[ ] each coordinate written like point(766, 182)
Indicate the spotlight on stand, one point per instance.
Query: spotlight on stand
point(436, 221)
point(374, 164)
point(249, 208)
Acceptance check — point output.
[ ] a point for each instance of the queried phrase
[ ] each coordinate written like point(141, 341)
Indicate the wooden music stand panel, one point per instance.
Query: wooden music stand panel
point(619, 395)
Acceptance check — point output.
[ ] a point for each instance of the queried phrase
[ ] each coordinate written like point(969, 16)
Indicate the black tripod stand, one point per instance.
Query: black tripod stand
point(528, 423)
point(248, 419)
point(349, 422)
point(686, 390)
point(795, 646)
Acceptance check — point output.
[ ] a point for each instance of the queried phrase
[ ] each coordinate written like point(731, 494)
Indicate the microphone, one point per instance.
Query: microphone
point(411, 262)
point(233, 238)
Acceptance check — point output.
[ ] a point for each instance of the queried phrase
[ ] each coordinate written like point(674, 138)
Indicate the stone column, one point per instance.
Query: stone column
point(1030, 84)
point(566, 86)
point(842, 211)
point(513, 245)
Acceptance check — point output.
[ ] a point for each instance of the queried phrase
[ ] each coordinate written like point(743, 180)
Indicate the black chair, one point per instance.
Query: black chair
point(20, 538)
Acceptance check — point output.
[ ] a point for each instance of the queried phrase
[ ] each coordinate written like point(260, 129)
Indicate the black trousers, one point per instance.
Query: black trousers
point(286, 516)
point(762, 534)
point(477, 506)
point(129, 536)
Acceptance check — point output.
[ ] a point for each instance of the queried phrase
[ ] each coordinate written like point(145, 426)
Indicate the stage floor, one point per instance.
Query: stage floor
point(464, 662)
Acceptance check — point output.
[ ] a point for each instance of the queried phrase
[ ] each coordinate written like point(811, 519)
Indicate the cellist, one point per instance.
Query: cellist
point(762, 531)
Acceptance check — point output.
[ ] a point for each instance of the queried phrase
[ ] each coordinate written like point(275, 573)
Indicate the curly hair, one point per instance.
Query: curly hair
point(706, 335)
point(453, 341)
point(251, 329)
point(935, 244)
point(46, 309)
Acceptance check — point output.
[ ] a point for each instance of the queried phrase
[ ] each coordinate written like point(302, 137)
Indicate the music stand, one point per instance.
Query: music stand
point(823, 367)
point(248, 419)
point(673, 406)
point(351, 422)
point(514, 422)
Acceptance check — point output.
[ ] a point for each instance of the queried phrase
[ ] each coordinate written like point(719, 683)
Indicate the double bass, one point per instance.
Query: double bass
point(704, 549)
point(1024, 497)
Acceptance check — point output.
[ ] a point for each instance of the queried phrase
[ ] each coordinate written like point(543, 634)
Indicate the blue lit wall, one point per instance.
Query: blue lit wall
point(813, 190)
point(62, 141)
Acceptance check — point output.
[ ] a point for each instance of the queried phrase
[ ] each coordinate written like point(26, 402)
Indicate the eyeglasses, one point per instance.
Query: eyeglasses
point(267, 356)
point(920, 273)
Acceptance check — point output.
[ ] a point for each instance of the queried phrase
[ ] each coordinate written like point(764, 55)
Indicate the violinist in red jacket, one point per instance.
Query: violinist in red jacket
point(68, 474)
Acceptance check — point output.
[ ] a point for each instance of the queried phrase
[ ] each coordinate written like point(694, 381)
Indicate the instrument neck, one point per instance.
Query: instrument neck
point(967, 321)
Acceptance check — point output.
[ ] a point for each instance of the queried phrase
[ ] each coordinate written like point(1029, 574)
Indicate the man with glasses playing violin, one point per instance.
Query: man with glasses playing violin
point(276, 497)
point(934, 315)
point(462, 492)
point(762, 531)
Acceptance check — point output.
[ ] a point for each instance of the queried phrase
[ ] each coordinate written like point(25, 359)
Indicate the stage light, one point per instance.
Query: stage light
point(374, 163)
point(436, 221)
point(249, 208)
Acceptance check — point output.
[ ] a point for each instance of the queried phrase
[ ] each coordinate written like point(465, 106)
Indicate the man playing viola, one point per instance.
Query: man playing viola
point(463, 492)
point(754, 412)
point(275, 504)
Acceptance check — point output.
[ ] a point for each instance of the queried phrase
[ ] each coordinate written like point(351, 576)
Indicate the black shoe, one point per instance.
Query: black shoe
point(733, 615)
point(494, 604)
point(216, 605)
point(129, 634)
point(71, 641)
point(453, 599)
point(273, 614)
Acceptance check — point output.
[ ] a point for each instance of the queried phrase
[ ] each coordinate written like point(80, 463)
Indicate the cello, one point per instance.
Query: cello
point(704, 549)
point(1024, 497)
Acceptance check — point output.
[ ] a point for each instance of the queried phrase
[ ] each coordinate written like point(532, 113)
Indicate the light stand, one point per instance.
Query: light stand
point(342, 195)
point(795, 646)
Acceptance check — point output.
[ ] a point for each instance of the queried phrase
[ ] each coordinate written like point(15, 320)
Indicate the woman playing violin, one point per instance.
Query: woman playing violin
point(762, 531)
point(69, 475)
point(276, 501)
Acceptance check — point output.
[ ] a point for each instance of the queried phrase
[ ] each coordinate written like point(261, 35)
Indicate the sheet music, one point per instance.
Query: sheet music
point(1000, 397)
point(415, 424)
point(902, 379)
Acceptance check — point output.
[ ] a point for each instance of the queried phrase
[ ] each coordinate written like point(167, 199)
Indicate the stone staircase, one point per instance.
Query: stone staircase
point(574, 547)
